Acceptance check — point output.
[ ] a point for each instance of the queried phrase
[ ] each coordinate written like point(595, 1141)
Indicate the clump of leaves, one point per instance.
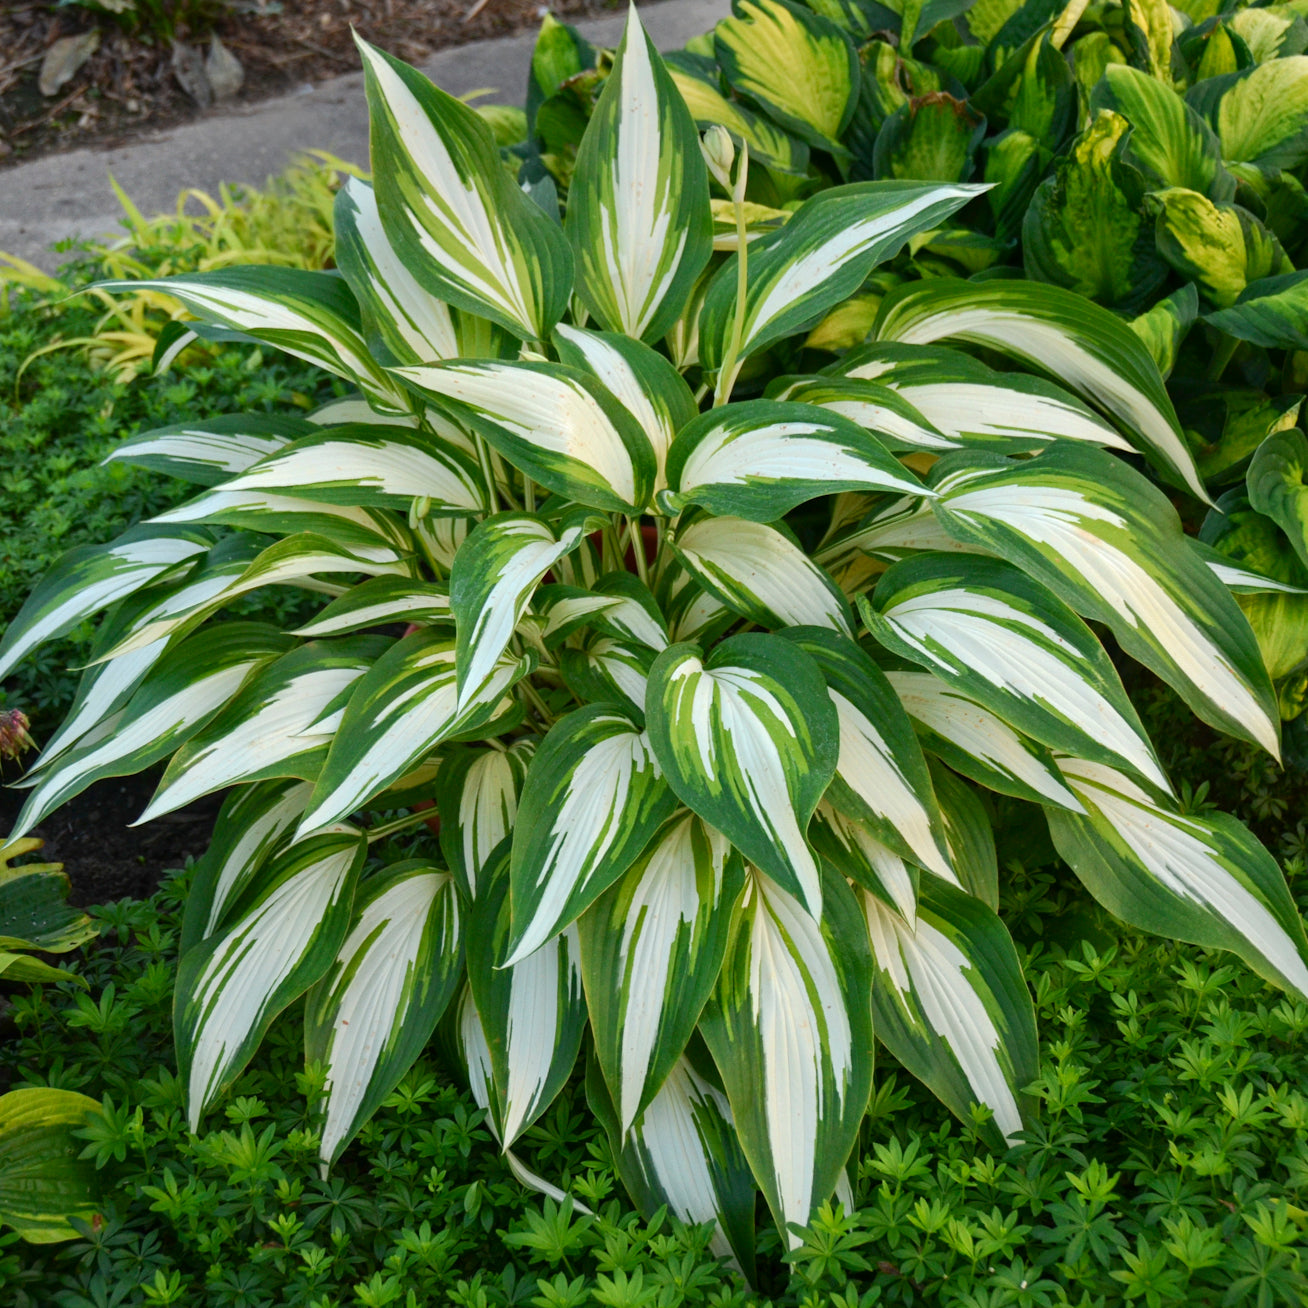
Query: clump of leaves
point(702, 787)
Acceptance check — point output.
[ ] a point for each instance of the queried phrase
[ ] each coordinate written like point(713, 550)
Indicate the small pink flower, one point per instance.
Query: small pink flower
point(15, 739)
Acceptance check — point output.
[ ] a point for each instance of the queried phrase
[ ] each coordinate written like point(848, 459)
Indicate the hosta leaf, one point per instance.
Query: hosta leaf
point(820, 257)
point(1057, 331)
point(797, 66)
point(282, 939)
point(631, 612)
point(1169, 141)
point(1203, 879)
point(477, 794)
point(1164, 328)
point(761, 458)
point(279, 725)
point(850, 848)
point(593, 797)
point(1221, 247)
point(399, 314)
point(1269, 312)
point(641, 380)
point(683, 1154)
point(1261, 113)
point(310, 315)
point(934, 137)
point(367, 532)
point(651, 949)
point(699, 84)
point(969, 834)
point(370, 1015)
point(881, 776)
point(1276, 482)
point(44, 1179)
point(381, 600)
point(555, 423)
point(210, 450)
point(450, 211)
point(638, 214)
point(748, 740)
point(533, 1013)
point(34, 908)
point(609, 670)
point(950, 1003)
point(87, 580)
point(404, 706)
point(979, 744)
point(252, 824)
point(494, 574)
point(761, 573)
point(188, 685)
point(370, 467)
point(896, 424)
point(991, 632)
point(971, 404)
point(790, 1028)
point(1109, 544)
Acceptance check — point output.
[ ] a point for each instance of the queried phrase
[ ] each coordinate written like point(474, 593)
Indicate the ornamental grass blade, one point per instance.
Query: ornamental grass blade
point(533, 1013)
point(400, 710)
point(593, 797)
point(451, 212)
point(371, 1014)
point(950, 1003)
point(555, 423)
point(790, 1029)
point(651, 949)
point(747, 739)
point(761, 458)
point(1060, 332)
point(760, 572)
point(1107, 542)
point(638, 206)
point(1204, 879)
point(283, 937)
point(988, 630)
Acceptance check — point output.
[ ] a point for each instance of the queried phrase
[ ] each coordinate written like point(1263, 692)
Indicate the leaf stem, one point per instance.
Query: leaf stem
point(536, 702)
point(731, 363)
point(488, 476)
point(638, 548)
point(384, 829)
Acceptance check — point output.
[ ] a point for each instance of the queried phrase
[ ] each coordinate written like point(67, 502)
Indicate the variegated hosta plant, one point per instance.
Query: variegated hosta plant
point(701, 660)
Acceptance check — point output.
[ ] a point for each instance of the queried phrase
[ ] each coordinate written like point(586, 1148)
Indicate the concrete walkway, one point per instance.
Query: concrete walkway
point(66, 195)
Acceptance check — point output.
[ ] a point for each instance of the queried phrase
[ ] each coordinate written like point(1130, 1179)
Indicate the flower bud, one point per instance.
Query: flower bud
point(719, 151)
point(15, 739)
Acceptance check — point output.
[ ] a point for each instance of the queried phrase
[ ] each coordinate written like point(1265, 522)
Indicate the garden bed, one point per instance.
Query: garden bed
point(128, 86)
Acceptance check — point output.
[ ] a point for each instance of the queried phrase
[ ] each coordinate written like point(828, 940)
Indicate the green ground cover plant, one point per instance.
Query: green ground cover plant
point(1169, 1163)
point(725, 674)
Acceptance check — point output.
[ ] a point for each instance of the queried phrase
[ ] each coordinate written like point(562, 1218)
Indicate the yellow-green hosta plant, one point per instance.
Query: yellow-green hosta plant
point(703, 667)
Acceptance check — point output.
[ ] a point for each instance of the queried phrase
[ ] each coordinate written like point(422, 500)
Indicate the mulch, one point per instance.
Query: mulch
point(104, 857)
point(129, 86)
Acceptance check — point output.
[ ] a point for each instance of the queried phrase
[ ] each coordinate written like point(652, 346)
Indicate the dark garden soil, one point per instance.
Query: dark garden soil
point(105, 858)
point(129, 85)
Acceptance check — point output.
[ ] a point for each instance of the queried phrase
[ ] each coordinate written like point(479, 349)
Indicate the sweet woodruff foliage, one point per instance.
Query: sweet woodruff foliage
point(705, 660)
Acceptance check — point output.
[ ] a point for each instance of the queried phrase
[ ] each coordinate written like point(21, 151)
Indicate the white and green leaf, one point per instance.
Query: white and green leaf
point(210, 450)
point(477, 793)
point(748, 739)
point(638, 204)
point(380, 600)
point(374, 1010)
